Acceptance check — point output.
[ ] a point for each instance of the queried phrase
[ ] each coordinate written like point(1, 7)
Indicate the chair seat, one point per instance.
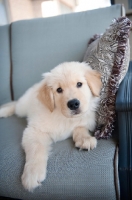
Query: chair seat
point(71, 174)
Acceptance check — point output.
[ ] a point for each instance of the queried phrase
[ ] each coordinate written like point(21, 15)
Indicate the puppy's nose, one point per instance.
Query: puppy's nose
point(73, 104)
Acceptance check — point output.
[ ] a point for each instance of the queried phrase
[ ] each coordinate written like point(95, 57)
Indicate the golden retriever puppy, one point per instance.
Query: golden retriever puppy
point(62, 105)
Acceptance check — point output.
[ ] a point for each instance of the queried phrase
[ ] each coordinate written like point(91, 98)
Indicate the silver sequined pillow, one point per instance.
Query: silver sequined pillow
point(109, 54)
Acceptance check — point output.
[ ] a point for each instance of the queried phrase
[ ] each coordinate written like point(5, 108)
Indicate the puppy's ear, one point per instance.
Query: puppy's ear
point(46, 97)
point(94, 81)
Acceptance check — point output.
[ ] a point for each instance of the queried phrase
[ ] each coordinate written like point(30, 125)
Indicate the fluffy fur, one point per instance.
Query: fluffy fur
point(51, 120)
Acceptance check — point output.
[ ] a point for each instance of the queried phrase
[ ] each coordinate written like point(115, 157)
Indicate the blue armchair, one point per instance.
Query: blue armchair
point(29, 48)
point(124, 126)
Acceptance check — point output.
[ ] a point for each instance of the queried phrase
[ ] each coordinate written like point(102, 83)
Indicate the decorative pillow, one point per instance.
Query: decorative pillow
point(109, 54)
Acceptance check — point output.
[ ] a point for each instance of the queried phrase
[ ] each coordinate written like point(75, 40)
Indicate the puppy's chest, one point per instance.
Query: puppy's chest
point(63, 128)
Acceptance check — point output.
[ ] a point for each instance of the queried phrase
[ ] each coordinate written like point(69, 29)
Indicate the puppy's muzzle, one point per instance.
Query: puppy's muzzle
point(73, 104)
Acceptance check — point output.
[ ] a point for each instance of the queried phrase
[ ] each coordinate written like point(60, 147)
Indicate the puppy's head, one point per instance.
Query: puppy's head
point(70, 88)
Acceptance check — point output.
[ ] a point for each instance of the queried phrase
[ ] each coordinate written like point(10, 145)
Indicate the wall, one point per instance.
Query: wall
point(20, 9)
point(129, 15)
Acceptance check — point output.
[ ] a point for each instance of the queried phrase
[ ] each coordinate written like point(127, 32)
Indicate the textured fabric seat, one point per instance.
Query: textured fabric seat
point(70, 172)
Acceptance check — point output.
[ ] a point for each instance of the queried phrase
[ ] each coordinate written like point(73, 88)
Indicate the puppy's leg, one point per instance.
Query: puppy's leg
point(36, 146)
point(83, 139)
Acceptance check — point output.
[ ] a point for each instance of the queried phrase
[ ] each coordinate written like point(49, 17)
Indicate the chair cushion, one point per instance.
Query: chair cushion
point(5, 64)
point(39, 45)
point(71, 174)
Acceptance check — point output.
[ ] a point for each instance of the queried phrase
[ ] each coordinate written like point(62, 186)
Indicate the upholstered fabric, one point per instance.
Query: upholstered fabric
point(71, 174)
point(124, 116)
point(39, 45)
point(5, 64)
point(124, 97)
point(109, 54)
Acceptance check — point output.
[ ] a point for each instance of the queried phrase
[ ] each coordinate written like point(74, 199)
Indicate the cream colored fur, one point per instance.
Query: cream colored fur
point(50, 119)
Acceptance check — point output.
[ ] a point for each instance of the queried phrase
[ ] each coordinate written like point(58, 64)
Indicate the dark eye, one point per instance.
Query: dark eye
point(79, 84)
point(59, 90)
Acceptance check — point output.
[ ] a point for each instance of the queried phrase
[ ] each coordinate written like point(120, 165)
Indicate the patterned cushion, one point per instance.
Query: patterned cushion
point(109, 54)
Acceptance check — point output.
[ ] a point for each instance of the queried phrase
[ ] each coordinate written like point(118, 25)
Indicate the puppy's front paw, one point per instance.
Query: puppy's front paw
point(32, 176)
point(86, 143)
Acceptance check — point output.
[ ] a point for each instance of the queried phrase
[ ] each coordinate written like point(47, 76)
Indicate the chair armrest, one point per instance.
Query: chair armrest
point(124, 95)
point(124, 123)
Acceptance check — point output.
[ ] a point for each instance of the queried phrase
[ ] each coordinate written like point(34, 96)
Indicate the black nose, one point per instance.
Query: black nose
point(73, 104)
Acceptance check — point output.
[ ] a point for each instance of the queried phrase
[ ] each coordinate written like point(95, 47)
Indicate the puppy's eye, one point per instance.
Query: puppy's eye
point(59, 90)
point(79, 84)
